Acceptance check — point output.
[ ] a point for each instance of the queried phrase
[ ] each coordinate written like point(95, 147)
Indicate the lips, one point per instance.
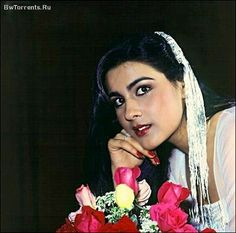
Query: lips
point(141, 130)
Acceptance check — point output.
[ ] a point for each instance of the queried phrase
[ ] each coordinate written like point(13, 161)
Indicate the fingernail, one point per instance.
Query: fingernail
point(151, 153)
point(139, 154)
point(156, 160)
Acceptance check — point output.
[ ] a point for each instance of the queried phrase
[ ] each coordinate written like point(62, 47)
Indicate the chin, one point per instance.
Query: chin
point(149, 145)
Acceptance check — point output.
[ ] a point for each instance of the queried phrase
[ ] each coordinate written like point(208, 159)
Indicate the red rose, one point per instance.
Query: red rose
point(67, 227)
point(125, 224)
point(172, 193)
point(186, 228)
point(208, 230)
point(90, 220)
point(168, 216)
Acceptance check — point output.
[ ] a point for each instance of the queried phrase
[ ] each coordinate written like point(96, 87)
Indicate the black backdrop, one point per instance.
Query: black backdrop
point(48, 59)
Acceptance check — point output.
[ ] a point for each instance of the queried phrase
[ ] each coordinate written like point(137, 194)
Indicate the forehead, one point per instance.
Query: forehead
point(131, 68)
point(126, 73)
point(129, 71)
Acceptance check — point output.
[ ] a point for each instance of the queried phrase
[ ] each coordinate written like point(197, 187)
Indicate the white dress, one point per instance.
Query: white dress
point(222, 217)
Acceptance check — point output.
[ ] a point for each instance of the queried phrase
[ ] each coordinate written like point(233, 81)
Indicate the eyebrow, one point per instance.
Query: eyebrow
point(131, 85)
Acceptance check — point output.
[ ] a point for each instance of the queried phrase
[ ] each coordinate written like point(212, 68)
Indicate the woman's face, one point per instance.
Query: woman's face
point(148, 106)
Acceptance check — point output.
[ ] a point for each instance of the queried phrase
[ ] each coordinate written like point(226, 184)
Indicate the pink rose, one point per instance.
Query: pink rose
point(90, 220)
point(144, 192)
point(85, 197)
point(128, 176)
point(172, 193)
point(168, 216)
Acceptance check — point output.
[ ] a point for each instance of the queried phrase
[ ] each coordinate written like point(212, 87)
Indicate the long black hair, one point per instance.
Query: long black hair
point(153, 50)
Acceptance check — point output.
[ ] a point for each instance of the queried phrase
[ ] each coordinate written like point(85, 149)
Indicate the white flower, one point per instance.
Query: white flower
point(144, 192)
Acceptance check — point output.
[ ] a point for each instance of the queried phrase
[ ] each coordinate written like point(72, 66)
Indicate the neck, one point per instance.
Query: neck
point(180, 137)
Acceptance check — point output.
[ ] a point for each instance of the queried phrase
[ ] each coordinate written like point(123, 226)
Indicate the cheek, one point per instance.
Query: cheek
point(172, 97)
point(174, 109)
point(120, 118)
point(166, 108)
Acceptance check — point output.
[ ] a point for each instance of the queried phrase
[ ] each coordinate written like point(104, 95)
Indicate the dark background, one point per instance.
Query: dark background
point(48, 59)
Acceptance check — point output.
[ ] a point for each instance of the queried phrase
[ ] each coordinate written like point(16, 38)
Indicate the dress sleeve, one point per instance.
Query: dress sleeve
point(224, 168)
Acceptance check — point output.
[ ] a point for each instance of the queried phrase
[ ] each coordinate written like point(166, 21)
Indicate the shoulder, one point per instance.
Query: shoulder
point(224, 163)
point(226, 121)
point(223, 120)
point(225, 130)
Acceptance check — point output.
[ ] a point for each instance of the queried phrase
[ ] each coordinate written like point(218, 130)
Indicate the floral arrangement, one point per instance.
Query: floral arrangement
point(124, 209)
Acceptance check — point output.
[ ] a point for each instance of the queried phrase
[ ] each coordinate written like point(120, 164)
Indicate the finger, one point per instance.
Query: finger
point(141, 151)
point(133, 142)
point(154, 158)
point(120, 144)
point(122, 136)
point(124, 133)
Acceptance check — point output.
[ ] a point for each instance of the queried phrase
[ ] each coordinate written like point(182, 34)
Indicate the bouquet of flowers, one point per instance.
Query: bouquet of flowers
point(124, 209)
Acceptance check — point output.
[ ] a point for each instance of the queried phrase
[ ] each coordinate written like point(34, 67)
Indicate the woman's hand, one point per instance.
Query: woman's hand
point(125, 151)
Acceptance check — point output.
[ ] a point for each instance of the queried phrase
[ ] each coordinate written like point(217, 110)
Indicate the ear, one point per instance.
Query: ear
point(182, 86)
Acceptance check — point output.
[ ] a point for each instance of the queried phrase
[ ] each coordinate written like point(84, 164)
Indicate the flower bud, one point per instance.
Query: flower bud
point(85, 197)
point(124, 196)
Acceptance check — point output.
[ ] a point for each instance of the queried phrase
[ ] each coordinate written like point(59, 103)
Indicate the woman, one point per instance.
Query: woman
point(150, 111)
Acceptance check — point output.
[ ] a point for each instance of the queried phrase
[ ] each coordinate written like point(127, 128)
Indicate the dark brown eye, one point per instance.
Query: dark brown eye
point(117, 102)
point(142, 90)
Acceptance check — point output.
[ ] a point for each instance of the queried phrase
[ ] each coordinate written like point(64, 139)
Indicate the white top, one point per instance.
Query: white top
point(222, 217)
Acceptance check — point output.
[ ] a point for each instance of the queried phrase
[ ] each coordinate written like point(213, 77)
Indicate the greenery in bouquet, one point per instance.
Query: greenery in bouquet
point(125, 209)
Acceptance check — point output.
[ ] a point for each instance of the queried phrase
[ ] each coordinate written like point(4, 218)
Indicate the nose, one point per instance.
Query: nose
point(132, 110)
